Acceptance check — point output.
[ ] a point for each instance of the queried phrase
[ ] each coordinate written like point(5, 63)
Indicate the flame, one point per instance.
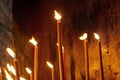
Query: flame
point(33, 41)
point(11, 52)
point(11, 69)
point(7, 75)
point(62, 46)
point(57, 15)
point(83, 37)
point(49, 64)
point(96, 36)
point(57, 44)
point(8, 67)
point(0, 71)
point(21, 78)
point(28, 71)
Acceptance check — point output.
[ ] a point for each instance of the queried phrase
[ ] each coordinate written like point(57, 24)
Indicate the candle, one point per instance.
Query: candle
point(52, 67)
point(29, 72)
point(7, 74)
point(84, 37)
point(59, 38)
point(0, 74)
point(100, 55)
point(34, 42)
point(16, 68)
point(11, 69)
point(12, 54)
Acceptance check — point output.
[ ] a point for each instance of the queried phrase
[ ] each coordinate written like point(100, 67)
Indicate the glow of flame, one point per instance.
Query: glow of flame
point(11, 69)
point(49, 64)
point(33, 41)
point(11, 52)
point(21, 78)
point(7, 75)
point(0, 71)
point(57, 15)
point(57, 44)
point(28, 71)
point(83, 37)
point(8, 67)
point(96, 36)
point(62, 46)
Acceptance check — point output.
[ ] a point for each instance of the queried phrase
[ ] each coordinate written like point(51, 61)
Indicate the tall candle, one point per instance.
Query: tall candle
point(16, 68)
point(35, 62)
point(29, 72)
point(52, 67)
point(52, 73)
point(0, 74)
point(100, 55)
point(31, 78)
point(12, 54)
point(86, 59)
point(34, 42)
point(84, 37)
point(101, 63)
point(59, 38)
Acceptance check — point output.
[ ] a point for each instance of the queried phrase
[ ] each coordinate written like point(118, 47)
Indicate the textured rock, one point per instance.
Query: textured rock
point(6, 32)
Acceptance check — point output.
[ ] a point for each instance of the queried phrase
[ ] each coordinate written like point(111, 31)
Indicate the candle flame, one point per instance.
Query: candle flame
point(7, 75)
point(11, 69)
point(21, 78)
point(83, 37)
point(62, 46)
point(11, 52)
point(33, 41)
point(0, 71)
point(57, 44)
point(49, 64)
point(8, 67)
point(57, 15)
point(96, 36)
point(28, 71)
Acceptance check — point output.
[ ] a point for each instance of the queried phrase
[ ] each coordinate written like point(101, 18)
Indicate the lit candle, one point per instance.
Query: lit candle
point(59, 38)
point(29, 72)
point(7, 75)
point(12, 54)
point(52, 67)
point(84, 37)
point(34, 42)
point(11, 69)
point(0, 74)
point(100, 55)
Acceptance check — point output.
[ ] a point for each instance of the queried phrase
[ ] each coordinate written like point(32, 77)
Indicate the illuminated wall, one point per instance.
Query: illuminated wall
point(5, 29)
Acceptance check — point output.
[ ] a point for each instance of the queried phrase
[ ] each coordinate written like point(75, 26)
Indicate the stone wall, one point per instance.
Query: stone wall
point(6, 39)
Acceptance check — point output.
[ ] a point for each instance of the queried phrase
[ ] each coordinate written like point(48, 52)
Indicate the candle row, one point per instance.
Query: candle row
point(84, 37)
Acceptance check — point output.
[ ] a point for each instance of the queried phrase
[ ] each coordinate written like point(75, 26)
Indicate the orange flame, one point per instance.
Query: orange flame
point(28, 71)
point(83, 37)
point(57, 15)
point(33, 41)
point(49, 64)
point(11, 52)
point(96, 36)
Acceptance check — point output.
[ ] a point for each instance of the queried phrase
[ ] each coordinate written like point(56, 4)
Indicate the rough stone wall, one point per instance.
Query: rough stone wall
point(6, 39)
